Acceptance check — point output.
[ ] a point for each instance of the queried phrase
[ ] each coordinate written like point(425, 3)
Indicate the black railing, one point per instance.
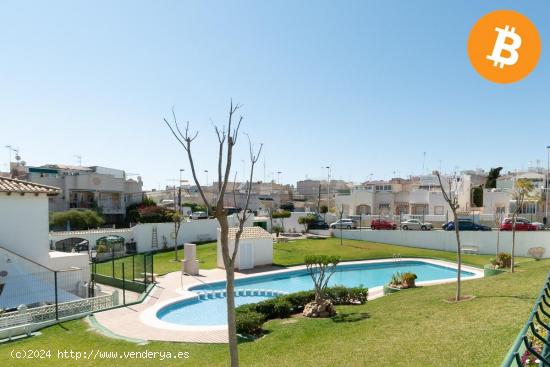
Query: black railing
point(532, 345)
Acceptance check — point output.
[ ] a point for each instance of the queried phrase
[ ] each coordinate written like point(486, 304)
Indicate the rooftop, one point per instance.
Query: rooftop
point(249, 233)
point(12, 185)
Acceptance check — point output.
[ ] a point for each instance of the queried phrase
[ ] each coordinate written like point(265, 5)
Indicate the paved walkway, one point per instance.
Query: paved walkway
point(140, 322)
point(127, 321)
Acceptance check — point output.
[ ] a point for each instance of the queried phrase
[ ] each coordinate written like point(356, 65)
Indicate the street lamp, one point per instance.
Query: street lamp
point(279, 177)
point(206, 171)
point(179, 192)
point(328, 185)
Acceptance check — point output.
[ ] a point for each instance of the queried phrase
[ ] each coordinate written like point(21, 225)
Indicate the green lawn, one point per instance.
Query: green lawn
point(294, 252)
point(411, 328)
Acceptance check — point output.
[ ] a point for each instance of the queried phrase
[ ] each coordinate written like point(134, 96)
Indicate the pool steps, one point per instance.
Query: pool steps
point(204, 295)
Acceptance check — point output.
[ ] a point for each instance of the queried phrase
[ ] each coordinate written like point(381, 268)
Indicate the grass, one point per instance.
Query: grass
point(294, 252)
point(164, 262)
point(411, 328)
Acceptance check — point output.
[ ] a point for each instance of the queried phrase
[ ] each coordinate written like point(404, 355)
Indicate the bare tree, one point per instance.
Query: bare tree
point(522, 189)
point(451, 197)
point(227, 139)
point(340, 211)
point(498, 221)
point(176, 218)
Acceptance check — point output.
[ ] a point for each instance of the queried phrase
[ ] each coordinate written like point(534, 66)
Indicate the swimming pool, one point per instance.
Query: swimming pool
point(212, 311)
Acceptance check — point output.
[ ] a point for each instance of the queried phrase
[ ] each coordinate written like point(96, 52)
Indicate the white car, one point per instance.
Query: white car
point(416, 224)
point(343, 223)
point(199, 215)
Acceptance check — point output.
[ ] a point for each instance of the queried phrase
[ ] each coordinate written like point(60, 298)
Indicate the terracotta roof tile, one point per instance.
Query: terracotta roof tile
point(13, 185)
point(249, 233)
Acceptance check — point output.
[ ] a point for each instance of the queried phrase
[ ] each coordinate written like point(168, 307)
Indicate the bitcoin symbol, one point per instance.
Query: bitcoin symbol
point(501, 45)
point(509, 55)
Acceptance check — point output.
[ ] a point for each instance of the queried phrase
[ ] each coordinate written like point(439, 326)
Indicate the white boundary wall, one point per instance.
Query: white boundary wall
point(194, 231)
point(446, 240)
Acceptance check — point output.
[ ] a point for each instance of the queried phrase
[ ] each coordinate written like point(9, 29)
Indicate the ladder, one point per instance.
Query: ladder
point(155, 240)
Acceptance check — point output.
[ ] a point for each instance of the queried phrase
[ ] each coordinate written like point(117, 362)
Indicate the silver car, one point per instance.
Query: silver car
point(343, 223)
point(416, 224)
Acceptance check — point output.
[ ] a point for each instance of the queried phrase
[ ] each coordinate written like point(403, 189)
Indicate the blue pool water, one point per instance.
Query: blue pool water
point(203, 312)
point(213, 311)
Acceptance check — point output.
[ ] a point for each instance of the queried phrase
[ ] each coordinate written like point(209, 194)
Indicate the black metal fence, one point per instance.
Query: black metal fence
point(532, 345)
point(130, 273)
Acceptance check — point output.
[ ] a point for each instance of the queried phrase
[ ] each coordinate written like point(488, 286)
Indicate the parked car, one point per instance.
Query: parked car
point(522, 224)
point(416, 224)
point(318, 224)
point(539, 225)
point(199, 215)
point(343, 223)
point(465, 225)
point(382, 224)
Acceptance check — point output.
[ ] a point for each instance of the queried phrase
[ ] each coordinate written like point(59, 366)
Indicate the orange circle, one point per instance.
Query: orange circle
point(492, 45)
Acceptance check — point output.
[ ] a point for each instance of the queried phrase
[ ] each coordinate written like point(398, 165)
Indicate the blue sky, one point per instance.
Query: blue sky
point(363, 86)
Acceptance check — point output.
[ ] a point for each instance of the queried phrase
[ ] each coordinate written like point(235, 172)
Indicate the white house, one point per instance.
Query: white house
point(25, 248)
point(255, 248)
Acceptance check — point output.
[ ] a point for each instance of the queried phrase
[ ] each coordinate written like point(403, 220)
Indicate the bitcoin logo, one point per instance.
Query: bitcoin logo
point(504, 46)
point(501, 45)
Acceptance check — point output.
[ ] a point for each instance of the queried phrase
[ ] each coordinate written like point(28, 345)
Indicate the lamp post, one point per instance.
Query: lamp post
point(179, 192)
point(328, 185)
point(206, 171)
point(279, 177)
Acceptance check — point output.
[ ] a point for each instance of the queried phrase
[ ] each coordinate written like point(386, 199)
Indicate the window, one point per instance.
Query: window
point(438, 210)
point(529, 208)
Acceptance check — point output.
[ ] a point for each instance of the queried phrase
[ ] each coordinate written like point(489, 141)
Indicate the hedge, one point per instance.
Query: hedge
point(250, 317)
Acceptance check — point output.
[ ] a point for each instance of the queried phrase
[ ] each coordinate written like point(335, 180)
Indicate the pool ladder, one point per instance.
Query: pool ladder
point(396, 257)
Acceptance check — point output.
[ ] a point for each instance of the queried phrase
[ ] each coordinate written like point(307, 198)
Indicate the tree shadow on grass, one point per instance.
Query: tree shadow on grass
point(242, 339)
point(516, 296)
point(350, 317)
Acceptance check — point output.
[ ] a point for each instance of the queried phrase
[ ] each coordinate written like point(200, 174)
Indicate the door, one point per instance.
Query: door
point(246, 256)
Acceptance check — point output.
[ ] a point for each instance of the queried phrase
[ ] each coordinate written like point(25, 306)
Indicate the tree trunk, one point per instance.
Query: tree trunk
point(176, 241)
point(498, 241)
point(458, 256)
point(513, 242)
point(230, 288)
point(231, 322)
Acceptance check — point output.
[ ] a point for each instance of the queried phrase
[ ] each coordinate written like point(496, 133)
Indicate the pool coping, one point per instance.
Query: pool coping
point(148, 316)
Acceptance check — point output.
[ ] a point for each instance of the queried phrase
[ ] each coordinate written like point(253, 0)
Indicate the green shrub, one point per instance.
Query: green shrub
point(276, 308)
point(503, 260)
point(299, 299)
point(249, 322)
point(408, 280)
point(101, 248)
point(340, 295)
point(250, 317)
point(78, 219)
point(276, 229)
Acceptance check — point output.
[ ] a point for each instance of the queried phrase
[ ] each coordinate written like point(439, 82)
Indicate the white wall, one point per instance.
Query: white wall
point(262, 251)
point(446, 240)
point(193, 231)
point(24, 225)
